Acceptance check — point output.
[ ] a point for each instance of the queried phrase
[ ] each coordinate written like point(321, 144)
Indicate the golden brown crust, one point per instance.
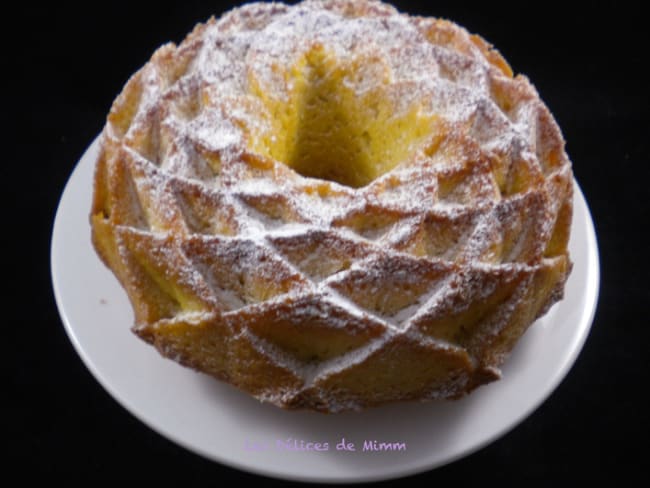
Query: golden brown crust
point(305, 292)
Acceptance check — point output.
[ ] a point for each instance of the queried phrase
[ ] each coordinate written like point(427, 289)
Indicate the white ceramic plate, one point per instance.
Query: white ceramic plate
point(225, 425)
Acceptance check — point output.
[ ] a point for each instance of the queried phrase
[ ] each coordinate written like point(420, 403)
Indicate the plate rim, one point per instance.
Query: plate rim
point(587, 315)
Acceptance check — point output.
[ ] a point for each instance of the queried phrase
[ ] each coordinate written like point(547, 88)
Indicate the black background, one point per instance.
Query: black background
point(63, 66)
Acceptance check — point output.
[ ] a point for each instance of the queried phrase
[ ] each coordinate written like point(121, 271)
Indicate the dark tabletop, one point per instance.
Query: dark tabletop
point(64, 66)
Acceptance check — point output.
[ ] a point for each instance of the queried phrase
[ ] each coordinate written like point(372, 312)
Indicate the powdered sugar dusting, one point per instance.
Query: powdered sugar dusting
point(473, 208)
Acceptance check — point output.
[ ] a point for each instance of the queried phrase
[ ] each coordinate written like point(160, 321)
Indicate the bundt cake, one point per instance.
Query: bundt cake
point(334, 205)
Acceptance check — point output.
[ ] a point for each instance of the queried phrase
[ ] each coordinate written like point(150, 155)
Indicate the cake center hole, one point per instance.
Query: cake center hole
point(343, 122)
